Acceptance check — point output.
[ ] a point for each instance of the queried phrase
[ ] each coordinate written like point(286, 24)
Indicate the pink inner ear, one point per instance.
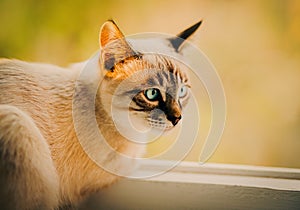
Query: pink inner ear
point(109, 32)
point(113, 45)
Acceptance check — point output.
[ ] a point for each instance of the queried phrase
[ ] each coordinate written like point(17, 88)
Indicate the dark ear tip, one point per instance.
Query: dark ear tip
point(199, 23)
point(112, 21)
point(180, 38)
point(194, 27)
point(189, 31)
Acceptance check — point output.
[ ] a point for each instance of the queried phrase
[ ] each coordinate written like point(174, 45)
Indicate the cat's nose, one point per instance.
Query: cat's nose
point(174, 119)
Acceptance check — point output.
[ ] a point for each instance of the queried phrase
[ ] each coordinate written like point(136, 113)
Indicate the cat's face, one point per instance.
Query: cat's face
point(142, 90)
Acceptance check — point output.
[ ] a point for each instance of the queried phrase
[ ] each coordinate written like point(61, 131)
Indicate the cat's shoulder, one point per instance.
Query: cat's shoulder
point(6, 64)
point(14, 66)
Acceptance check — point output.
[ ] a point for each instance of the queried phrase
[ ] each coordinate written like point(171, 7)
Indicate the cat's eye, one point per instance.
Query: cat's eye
point(183, 91)
point(152, 94)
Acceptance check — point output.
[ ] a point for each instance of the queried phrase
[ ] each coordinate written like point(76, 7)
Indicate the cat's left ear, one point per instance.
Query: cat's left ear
point(113, 46)
point(177, 41)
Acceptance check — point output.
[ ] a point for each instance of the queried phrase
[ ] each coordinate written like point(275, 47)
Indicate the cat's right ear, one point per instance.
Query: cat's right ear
point(113, 46)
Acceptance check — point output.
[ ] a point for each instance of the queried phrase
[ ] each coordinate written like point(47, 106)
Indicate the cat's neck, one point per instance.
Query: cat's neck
point(91, 136)
point(96, 130)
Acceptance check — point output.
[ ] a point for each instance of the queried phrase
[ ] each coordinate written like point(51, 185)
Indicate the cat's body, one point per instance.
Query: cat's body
point(42, 162)
point(47, 101)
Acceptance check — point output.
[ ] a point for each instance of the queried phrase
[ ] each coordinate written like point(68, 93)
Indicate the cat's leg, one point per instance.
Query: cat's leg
point(28, 178)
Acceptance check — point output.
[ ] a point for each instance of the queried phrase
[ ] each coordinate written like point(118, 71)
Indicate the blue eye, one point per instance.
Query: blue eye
point(183, 91)
point(152, 94)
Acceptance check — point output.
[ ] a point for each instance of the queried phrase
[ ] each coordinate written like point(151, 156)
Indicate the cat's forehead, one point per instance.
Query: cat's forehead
point(156, 60)
point(152, 45)
point(159, 52)
point(168, 67)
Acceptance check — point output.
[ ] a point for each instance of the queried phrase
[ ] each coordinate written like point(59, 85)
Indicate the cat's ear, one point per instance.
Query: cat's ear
point(184, 35)
point(113, 46)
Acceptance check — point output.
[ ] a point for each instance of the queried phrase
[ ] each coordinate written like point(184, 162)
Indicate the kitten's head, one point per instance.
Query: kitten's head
point(144, 90)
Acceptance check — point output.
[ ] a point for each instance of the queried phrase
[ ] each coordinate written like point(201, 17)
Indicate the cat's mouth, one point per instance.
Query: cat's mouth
point(160, 124)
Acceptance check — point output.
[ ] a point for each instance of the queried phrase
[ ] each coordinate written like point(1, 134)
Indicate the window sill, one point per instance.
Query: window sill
point(208, 186)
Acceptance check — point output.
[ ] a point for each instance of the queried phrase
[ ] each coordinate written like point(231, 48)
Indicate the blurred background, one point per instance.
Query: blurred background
point(254, 45)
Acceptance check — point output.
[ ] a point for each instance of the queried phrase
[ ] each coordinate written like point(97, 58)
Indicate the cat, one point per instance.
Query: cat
point(42, 163)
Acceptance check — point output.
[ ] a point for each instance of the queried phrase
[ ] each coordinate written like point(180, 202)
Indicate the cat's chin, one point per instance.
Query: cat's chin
point(165, 128)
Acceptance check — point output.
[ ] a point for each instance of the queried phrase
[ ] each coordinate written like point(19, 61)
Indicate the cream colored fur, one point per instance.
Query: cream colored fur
point(48, 166)
point(42, 164)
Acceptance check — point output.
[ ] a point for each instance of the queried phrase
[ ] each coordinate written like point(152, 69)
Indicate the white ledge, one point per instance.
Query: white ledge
point(208, 186)
point(225, 174)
